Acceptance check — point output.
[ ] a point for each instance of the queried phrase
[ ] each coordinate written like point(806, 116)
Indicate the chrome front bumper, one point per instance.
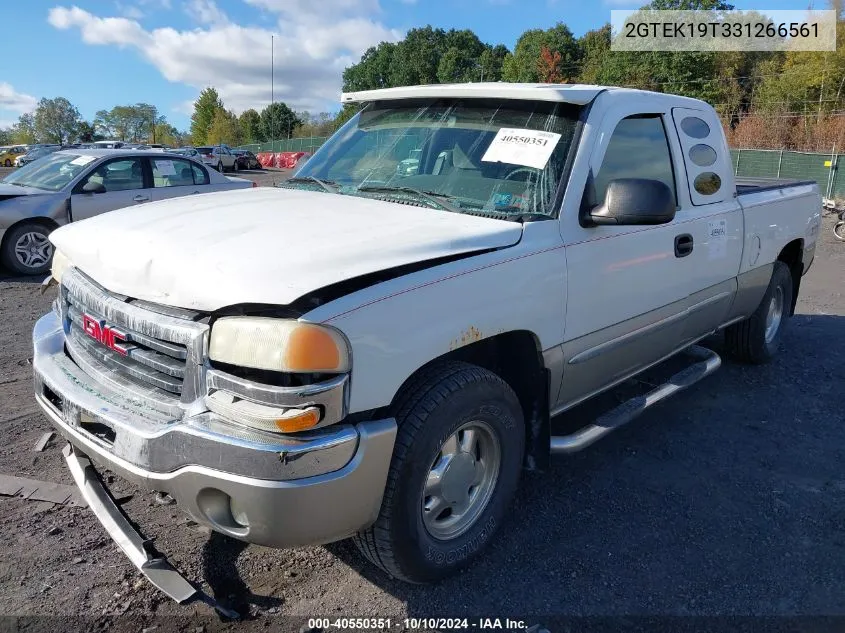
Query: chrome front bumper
point(274, 490)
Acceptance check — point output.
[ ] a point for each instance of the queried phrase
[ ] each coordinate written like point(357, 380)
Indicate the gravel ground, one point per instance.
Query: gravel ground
point(727, 500)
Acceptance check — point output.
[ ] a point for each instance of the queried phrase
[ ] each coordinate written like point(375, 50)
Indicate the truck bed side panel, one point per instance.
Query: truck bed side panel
point(775, 216)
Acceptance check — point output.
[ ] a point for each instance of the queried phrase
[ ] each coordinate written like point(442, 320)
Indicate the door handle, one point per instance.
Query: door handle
point(683, 245)
point(140, 198)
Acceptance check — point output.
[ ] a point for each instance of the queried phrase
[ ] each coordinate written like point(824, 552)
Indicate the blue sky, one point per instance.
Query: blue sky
point(101, 53)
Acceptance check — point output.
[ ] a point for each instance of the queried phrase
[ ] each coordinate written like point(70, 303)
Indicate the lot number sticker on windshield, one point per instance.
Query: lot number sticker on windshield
point(165, 167)
point(531, 148)
point(82, 160)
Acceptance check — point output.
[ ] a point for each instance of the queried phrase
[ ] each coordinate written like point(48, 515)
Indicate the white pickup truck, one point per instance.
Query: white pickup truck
point(375, 351)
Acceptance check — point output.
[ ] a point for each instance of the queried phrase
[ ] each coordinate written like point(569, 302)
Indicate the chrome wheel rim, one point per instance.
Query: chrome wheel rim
point(461, 480)
point(33, 249)
point(774, 315)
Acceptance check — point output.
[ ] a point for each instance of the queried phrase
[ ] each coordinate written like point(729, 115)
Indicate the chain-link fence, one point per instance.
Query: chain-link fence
point(307, 144)
point(771, 163)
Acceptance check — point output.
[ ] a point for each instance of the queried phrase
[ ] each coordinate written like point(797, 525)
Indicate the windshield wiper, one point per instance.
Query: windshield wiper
point(328, 185)
point(429, 196)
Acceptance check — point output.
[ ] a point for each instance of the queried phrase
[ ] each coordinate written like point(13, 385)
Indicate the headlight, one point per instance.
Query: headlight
point(278, 345)
point(60, 264)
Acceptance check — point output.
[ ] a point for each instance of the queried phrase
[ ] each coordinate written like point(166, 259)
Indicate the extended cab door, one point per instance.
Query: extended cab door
point(628, 289)
point(712, 217)
point(124, 182)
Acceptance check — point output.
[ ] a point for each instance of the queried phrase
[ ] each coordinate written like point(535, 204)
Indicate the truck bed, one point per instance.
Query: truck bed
point(755, 185)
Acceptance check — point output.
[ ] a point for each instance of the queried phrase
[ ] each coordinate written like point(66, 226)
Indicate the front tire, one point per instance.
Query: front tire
point(755, 340)
point(455, 468)
point(27, 249)
point(839, 231)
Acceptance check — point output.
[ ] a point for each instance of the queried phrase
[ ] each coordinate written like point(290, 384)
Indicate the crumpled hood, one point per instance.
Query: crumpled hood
point(263, 245)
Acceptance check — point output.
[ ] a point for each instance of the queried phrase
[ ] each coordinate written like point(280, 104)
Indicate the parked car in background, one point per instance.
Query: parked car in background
point(220, 157)
point(190, 152)
point(10, 153)
point(108, 144)
point(71, 185)
point(35, 154)
point(246, 159)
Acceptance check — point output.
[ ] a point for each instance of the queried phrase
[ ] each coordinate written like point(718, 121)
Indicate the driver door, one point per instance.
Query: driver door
point(628, 286)
point(125, 186)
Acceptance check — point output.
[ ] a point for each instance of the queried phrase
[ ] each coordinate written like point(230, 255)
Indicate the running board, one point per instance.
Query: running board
point(705, 363)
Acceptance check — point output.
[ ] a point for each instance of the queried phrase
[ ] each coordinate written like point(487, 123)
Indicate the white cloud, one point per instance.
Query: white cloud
point(15, 101)
point(314, 42)
point(206, 12)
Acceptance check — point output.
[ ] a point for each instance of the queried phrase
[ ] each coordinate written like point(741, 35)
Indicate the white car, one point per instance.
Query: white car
point(190, 152)
point(219, 157)
point(373, 354)
point(71, 185)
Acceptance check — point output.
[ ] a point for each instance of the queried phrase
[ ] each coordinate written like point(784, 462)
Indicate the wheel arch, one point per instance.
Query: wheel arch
point(517, 357)
point(793, 256)
point(50, 223)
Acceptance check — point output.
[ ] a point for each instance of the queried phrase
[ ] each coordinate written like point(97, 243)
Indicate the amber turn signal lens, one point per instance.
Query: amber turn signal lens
point(311, 348)
point(300, 422)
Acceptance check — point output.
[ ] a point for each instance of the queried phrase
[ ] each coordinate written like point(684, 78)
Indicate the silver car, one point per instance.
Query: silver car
point(220, 157)
point(72, 185)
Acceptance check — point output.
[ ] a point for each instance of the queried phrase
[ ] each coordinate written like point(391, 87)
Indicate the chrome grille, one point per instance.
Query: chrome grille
point(163, 363)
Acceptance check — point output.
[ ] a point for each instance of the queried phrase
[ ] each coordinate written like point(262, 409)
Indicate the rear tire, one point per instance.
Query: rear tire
point(755, 340)
point(219, 166)
point(458, 453)
point(27, 249)
point(839, 230)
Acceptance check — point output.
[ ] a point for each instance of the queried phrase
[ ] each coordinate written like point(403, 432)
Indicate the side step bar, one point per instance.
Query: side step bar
point(705, 363)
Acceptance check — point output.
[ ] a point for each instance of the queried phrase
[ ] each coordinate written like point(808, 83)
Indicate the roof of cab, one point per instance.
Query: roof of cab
point(578, 94)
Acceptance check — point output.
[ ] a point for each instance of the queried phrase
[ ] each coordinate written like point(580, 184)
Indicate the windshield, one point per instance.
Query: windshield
point(204, 150)
point(51, 173)
point(496, 158)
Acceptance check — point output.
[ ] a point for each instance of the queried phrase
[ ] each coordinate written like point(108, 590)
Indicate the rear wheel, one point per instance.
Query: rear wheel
point(756, 339)
point(839, 230)
point(219, 166)
point(455, 468)
point(235, 166)
point(27, 249)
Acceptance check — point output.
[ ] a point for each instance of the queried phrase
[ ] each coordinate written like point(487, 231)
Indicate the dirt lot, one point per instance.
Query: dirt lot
point(727, 500)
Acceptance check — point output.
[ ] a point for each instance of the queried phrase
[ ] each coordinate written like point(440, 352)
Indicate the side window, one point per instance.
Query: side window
point(117, 175)
point(638, 149)
point(200, 175)
point(172, 172)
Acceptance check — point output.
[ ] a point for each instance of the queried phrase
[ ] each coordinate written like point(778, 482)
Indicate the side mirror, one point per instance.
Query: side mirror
point(94, 187)
point(634, 201)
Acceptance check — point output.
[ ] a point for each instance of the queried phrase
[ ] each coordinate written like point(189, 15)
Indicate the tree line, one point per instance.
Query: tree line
point(789, 100)
point(778, 100)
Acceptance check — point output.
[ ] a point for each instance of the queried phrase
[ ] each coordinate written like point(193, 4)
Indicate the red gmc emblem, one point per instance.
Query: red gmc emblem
point(102, 333)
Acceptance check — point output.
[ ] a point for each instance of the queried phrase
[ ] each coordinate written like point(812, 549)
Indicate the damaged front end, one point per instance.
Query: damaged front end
point(131, 386)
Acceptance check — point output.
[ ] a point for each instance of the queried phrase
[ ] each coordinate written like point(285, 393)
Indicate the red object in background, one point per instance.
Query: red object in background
point(281, 160)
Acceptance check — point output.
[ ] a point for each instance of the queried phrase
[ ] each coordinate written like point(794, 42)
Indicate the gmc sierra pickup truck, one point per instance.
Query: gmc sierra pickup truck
point(375, 349)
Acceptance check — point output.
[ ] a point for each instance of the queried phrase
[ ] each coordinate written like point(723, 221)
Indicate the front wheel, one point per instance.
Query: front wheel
point(755, 340)
point(839, 230)
point(27, 249)
point(235, 166)
point(455, 468)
